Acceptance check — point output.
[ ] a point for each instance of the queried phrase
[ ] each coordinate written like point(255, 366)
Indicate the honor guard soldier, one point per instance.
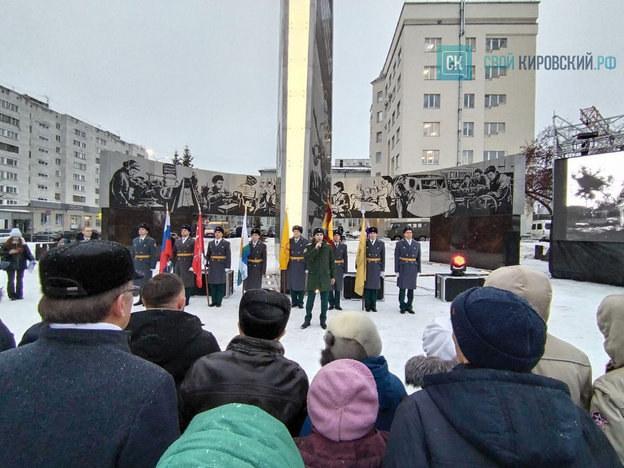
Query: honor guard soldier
point(219, 262)
point(319, 258)
point(144, 255)
point(341, 261)
point(407, 267)
point(183, 251)
point(296, 276)
point(375, 269)
point(256, 262)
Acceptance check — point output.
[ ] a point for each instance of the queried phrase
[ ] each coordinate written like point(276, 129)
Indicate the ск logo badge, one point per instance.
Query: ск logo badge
point(454, 62)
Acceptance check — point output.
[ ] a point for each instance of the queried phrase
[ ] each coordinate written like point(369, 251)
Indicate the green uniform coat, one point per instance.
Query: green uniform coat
point(321, 267)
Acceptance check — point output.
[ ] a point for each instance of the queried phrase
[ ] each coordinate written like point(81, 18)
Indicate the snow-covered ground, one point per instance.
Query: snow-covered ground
point(572, 318)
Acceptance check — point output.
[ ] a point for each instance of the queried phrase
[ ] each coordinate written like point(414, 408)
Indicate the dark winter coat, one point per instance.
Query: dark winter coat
point(321, 267)
point(183, 255)
point(250, 371)
point(171, 339)
point(490, 418)
point(297, 265)
point(256, 265)
point(407, 263)
point(318, 451)
point(218, 259)
point(19, 260)
point(390, 391)
point(375, 263)
point(7, 341)
point(341, 259)
point(144, 255)
point(78, 398)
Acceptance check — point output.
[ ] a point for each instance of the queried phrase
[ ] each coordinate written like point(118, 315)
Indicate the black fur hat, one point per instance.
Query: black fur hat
point(263, 313)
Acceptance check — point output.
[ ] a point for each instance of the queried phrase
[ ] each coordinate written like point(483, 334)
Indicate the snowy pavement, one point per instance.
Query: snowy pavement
point(572, 318)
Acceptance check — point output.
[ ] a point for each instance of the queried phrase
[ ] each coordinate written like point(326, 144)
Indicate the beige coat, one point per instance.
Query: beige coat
point(607, 403)
point(561, 360)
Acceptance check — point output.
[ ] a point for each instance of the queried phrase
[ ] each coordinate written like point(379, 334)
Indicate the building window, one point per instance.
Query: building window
point(76, 198)
point(472, 42)
point(430, 157)
point(393, 138)
point(9, 148)
point(57, 173)
point(80, 177)
point(378, 157)
point(80, 144)
point(431, 129)
point(43, 163)
point(380, 116)
point(493, 128)
point(399, 55)
point(44, 125)
point(398, 134)
point(42, 187)
point(57, 196)
point(397, 161)
point(44, 150)
point(9, 106)
point(58, 137)
point(58, 219)
point(58, 150)
point(468, 129)
point(80, 155)
point(9, 134)
point(398, 108)
point(399, 82)
point(58, 126)
point(80, 166)
point(495, 43)
point(473, 73)
point(8, 189)
point(80, 133)
point(44, 138)
point(79, 188)
point(10, 120)
point(8, 175)
point(431, 101)
point(495, 100)
point(494, 72)
point(379, 96)
point(489, 155)
point(467, 156)
point(57, 185)
point(9, 161)
point(43, 175)
point(378, 137)
point(432, 43)
point(430, 73)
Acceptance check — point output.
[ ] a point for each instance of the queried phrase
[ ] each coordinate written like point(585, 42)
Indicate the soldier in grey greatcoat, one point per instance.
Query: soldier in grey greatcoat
point(375, 269)
point(143, 252)
point(341, 260)
point(296, 276)
point(256, 262)
point(183, 250)
point(219, 262)
point(407, 267)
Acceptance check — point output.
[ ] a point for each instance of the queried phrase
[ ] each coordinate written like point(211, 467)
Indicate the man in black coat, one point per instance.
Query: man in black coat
point(253, 369)
point(77, 396)
point(166, 335)
point(490, 411)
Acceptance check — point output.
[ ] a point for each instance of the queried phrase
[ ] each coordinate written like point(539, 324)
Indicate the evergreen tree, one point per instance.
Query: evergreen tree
point(176, 159)
point(187, 158)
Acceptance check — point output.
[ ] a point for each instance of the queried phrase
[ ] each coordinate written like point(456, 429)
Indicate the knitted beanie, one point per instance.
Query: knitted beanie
point(498, 329)
point(357, 326)
point(233, 436)
point(342, 400)
point(15, 232)
point(438, 339)
point(526, 282)
point(263, 313)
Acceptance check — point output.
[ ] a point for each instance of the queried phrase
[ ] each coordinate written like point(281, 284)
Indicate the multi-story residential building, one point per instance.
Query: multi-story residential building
point(420, 122)
point(49, 166)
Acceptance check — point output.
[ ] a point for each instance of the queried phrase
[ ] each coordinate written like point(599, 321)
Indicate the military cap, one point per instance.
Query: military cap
point(255, 231)
point(145, 226)
point(85, 269)
point(297, 228)
point(219, 229)
point(188, 227)
point(373, 229)
point(318, 231)
point(337, 232)
point(407, 228)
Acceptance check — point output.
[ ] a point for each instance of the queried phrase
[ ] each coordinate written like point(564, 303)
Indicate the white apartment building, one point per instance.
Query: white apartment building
point(421, 123)
point(50, 165)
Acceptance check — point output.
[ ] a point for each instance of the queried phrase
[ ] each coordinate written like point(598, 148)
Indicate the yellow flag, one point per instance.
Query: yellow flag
point(284, 255)
point(360, 261)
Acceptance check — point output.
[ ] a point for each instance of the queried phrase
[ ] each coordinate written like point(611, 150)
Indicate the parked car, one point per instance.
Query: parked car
point(353, 233)
point(540, 230)
point(210, 227)
point(69, 235)
point(44, 236)
point(270, 232)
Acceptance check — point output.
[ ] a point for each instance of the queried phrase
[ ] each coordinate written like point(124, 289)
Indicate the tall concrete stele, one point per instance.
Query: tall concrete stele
point(304, 112)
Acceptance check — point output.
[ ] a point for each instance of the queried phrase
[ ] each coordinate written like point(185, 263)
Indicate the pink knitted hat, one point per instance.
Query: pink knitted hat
point(342, 400)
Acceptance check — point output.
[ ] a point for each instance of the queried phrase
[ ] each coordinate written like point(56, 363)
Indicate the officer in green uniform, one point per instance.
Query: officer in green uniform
point(319, 257)
point(219, 263)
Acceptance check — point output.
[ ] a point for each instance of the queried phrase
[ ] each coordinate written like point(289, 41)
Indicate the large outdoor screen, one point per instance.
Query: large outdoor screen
point(589, 198)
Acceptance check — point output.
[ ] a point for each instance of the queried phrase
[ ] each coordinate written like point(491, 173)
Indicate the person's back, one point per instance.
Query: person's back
point(561, 360)
point(76, 396)
point(252, 370)
point(166, 335)
point(490, 410)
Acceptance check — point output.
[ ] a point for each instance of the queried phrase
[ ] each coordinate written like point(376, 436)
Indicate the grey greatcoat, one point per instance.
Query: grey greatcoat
point(257, 264)
point(407, 263)
point(144, 255)
point(375, 263)
point(297, 265)
point(218, 259)
point(183, 254)
point(341, 259)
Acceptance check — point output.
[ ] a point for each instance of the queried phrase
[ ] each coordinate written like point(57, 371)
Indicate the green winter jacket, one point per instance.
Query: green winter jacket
point(321, 267)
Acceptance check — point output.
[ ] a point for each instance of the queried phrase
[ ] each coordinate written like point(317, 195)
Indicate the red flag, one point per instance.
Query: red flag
point(327, 225)
point(166, 251)
point(198, 253)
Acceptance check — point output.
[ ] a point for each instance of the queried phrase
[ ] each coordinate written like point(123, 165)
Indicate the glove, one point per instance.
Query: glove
point(191, 269)
point(383, 274)
point(397, 275)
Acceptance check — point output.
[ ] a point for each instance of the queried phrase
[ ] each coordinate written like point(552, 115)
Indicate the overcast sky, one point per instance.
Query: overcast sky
point(204, 72)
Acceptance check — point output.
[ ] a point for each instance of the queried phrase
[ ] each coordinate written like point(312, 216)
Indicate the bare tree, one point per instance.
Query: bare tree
point(539, 156)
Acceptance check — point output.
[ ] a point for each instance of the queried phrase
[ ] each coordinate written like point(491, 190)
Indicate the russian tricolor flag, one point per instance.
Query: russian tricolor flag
point(166, 252)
